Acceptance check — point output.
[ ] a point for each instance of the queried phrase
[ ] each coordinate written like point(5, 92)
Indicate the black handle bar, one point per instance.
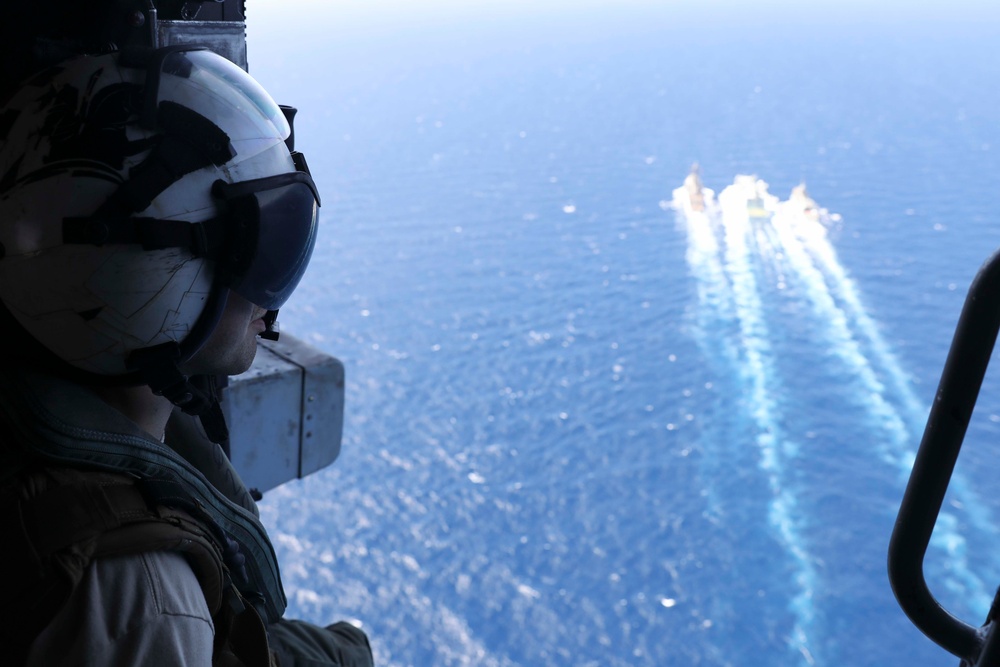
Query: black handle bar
point(961, 380)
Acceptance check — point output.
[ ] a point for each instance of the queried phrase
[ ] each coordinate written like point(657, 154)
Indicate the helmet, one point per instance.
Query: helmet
point(136, 190)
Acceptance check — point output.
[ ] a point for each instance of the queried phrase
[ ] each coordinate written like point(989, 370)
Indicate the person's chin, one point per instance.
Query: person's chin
point(236, 361)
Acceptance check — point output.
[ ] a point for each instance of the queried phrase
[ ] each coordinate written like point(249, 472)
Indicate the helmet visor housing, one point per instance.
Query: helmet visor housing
point(273, 223)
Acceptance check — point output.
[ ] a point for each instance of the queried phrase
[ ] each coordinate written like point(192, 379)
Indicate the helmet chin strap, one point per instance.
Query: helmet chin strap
point(159, 367)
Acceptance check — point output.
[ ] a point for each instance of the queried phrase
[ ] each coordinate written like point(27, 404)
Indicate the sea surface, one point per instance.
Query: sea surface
point(585, 429)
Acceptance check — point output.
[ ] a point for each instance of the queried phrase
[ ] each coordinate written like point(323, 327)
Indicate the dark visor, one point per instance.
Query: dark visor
point(272, 232)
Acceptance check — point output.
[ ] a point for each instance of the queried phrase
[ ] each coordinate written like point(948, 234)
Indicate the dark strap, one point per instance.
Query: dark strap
point(203, 239)
point(241, 639)
point(159, 367)
point(189, 142)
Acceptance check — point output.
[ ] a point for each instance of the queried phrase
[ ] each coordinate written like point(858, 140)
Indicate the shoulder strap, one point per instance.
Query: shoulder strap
point(56, 521)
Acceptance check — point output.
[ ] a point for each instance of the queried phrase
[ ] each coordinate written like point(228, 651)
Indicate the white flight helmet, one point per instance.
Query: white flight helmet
point(136, 190)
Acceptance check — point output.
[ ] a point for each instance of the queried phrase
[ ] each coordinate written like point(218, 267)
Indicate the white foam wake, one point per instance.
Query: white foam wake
point(728, 292)
point(892, 405)
point(758, 372)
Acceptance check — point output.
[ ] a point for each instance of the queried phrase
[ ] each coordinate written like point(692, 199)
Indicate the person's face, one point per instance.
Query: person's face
point(232, 346)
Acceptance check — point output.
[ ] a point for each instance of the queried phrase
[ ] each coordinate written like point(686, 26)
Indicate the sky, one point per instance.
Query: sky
point(350, 31)
point(408, 12)
point(370, 28)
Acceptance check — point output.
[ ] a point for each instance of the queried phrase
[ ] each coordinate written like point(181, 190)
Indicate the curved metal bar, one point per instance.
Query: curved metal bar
point(958, 390)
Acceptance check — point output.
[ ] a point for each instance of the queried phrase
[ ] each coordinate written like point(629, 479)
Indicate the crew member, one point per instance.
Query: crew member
point(153, 218)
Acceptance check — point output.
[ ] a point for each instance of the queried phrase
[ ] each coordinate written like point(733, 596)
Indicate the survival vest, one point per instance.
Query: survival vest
point(50, 422)
point(56, 521)
point(79, 481)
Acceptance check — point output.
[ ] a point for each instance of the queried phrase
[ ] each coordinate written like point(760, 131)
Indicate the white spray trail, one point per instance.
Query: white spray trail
point(759, 374)
point(727, 285)
point(849, 332)
point(715, 306)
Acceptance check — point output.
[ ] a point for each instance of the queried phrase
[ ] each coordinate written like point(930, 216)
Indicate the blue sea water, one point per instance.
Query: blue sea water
point(580, 432)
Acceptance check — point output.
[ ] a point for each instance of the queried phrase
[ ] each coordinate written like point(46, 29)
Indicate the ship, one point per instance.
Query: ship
point(693, 196)
point(749, 194)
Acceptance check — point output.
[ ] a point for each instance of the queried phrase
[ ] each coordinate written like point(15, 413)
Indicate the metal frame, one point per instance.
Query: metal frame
point(964, 370)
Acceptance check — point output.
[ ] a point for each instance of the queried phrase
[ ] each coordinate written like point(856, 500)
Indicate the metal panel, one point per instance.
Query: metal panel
point(227, 38)
point(285, 414)
point(322, 402)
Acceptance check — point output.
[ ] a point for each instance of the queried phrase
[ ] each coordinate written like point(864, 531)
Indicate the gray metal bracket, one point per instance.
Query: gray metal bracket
point(285, 414)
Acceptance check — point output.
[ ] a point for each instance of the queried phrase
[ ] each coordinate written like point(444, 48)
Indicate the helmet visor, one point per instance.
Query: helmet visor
point(273, 232)
point(252, 120)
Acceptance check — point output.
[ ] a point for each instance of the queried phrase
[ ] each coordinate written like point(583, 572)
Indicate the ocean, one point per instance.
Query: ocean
point(584, 429)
